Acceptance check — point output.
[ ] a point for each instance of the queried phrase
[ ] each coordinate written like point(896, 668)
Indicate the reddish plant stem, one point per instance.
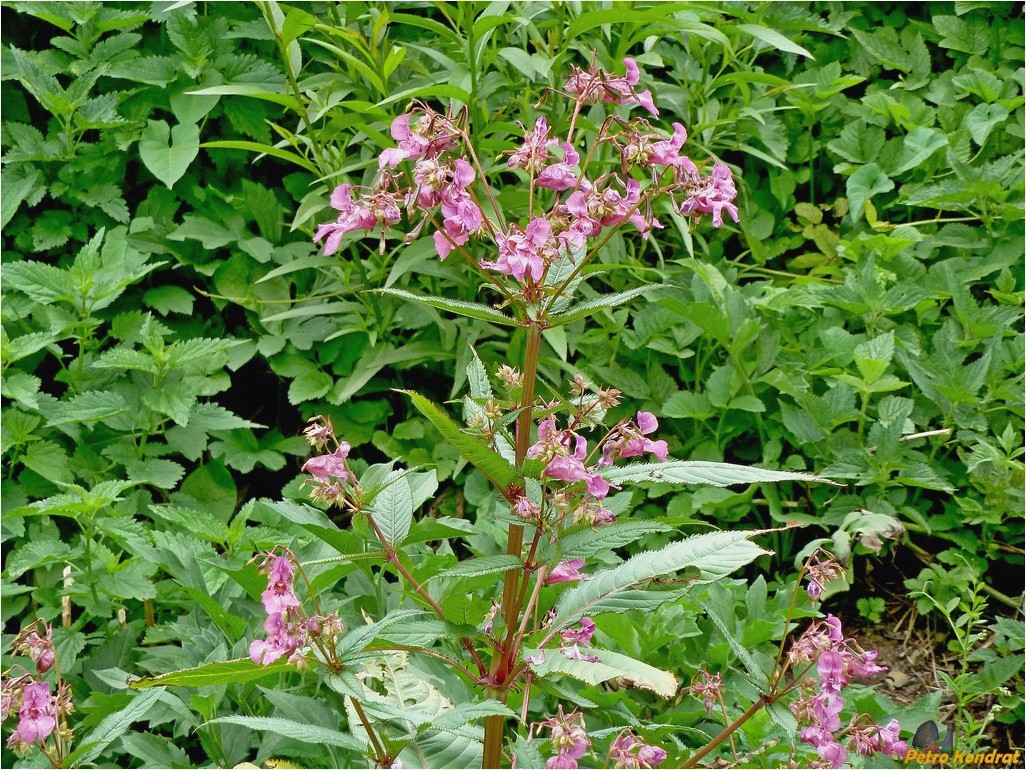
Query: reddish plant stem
point(501, 659)
point(394, 561)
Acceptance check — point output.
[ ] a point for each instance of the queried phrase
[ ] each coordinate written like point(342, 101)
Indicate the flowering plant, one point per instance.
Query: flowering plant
point(555, 461)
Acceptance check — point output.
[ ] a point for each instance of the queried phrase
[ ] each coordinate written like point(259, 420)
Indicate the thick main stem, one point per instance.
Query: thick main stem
point(503, 658)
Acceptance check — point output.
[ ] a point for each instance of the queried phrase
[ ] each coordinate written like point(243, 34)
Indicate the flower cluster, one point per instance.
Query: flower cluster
point(329, 473)
point(628, 750)
point(440, 186)
point(821, 568)
point(287, 629)
point(837, 659)
point(40, 712)
point(286, 632)
point(571, 639)
point(708, 687)
point(569, 738)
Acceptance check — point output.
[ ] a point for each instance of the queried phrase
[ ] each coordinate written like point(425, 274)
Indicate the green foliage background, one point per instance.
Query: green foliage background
point(168, 324)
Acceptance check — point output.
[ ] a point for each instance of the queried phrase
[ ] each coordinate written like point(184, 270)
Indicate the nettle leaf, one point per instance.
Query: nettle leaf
point(299, 731)
point(919, 144)
point(457, 306)
point(701, 472)
point(715, 554)
point(610, 665)
point(21, 387)
point(88, 407)
point(863, 185)
point(168, 161)
point(392, 509)
point(483, 565)
point(111, 728)
point(493, 465)
point(209, 674)
point(874, 356)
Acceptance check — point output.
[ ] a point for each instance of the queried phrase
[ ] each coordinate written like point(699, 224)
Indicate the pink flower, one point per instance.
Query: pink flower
point(628, 751)
point(831, 672)
point(579, 636)
point(279, 595)
point(569, 738)
point(565, 469)
point(573, 652)
point(411, 145)
point(833, 752)
point(667, 151)
point(325, 467)
point(864, 664)
point(890, 740)
point(596, 85)
point(533, 152)
point(38, 714)
point(565, 572)
point(647, 422)
point(713, 195)
point(523, 253)
point(650, 756)
point(561, 176)
point(352, 216)
point(561, 761)
point(281, 640)
point(598, 487)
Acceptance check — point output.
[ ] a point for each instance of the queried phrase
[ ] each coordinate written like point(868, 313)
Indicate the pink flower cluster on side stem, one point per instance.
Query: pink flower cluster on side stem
point(629, 751)
point(285, 630)
point(569, 739)
point(836, 660)
point(38, 710)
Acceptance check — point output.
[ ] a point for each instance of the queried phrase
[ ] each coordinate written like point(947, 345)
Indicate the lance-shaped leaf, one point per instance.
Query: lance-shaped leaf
point(585, 309)
point(715, 554)
point(588, 541)
point(317, 523)
point(457, 306)
point(353, 643)
point(610, 665)
point(483, 565)
point(699, 472)
point(300, 731)
point(222, 672)
point(392, 508)
point(493, 465)
point(110, 729)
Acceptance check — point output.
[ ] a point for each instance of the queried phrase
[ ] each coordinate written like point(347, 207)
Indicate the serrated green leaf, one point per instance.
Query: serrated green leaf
point(457, 306)
point(392, 508)
point(715, 554)
point(482, 565)
point(588, 542)
point(88, 407)
point(610, 665)
point(90, 746)
point(309, 734)
point(484, 458)
point(357, 639)
point(585, 309)
point(700, 472)
point(209, 674)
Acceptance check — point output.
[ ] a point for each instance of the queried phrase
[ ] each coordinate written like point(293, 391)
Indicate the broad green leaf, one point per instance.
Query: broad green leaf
point(983, 119)
point(715, 554)
point(918, 145)
point(775, 39)
point(484, 458)
point(209, 674)
point(863, 185)
point(392, 508)
point(701, 472)
point(300, 731)
point(317, 523)
point(111, 728)
point(168, 152)
point(483, 565)
point(457, 306)
point(610, 665)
